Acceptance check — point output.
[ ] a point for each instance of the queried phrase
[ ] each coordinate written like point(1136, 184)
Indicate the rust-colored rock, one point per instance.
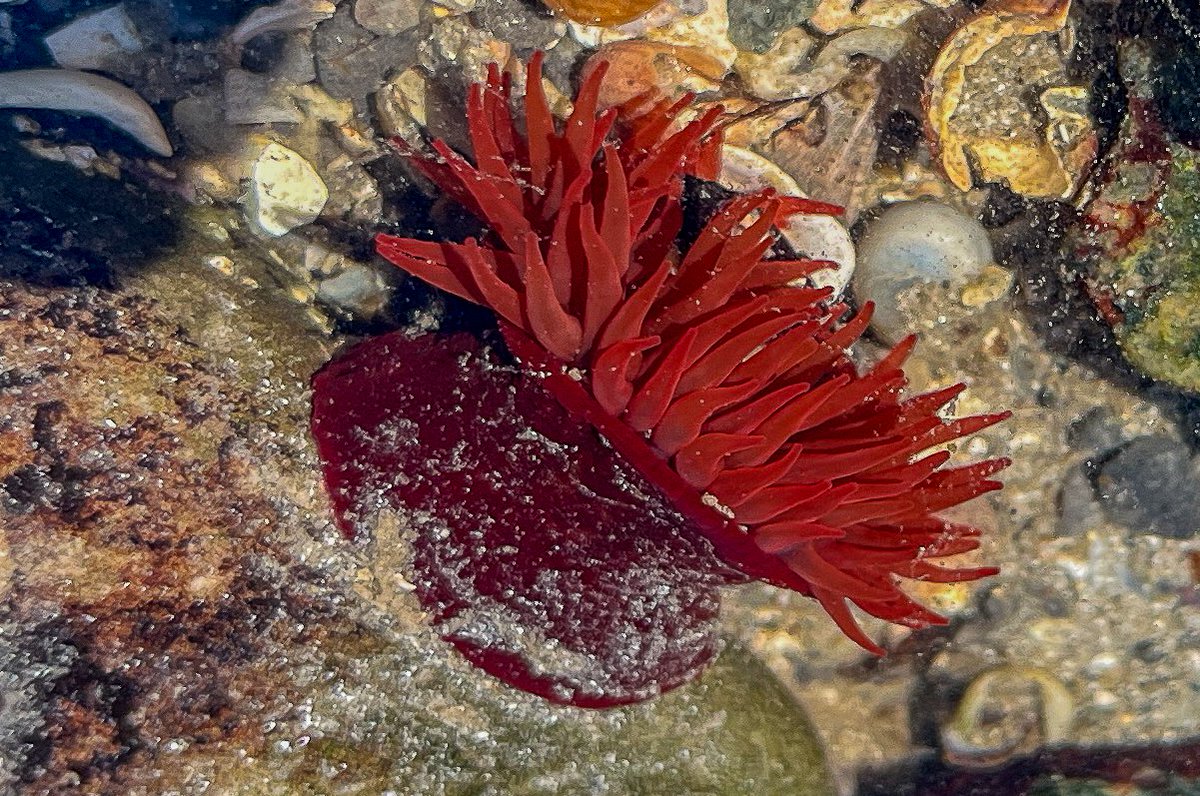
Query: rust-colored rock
point(654, 70)
point(135, 527)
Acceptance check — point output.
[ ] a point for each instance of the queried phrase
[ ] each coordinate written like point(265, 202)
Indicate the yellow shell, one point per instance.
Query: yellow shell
point(1043, 148)
point(599, 12)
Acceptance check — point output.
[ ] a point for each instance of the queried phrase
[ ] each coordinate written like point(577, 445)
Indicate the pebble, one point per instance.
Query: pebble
point(285, 191)
point(388, 17)
point(352, 62)
point(518, 23)
point(200, 119)
point(258, 99)
point(754, 26)
point(1150, 486)
point(912, 243)
point(354, 196)
point(358, 290)
point(400, 105)
point(93, 40)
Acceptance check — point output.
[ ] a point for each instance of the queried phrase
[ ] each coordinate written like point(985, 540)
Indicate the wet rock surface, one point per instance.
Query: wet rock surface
point(180, 613)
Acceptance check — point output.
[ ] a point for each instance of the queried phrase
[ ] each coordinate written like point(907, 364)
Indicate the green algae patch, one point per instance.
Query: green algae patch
point(1165, 343)
point(1153, 282)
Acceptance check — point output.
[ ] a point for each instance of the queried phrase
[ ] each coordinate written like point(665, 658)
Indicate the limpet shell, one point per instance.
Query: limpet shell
point(1007, 711)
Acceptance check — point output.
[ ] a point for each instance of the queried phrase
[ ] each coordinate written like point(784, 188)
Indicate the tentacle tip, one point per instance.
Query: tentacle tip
point(870, 646)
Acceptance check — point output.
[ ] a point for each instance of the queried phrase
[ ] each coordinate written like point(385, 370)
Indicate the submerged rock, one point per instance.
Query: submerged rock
point(916, 243)
point(236, 642)
point(1149, 486)
point(1139, 240)
point(285, 191)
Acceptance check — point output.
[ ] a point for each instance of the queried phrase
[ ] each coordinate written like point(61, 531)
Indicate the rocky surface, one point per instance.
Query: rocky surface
point(179, 613)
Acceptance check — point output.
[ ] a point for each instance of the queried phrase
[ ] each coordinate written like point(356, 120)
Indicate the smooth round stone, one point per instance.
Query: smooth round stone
point(921, 242)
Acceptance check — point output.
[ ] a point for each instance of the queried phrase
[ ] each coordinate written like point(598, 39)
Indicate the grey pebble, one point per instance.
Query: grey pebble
point(521, 24)
point(1150, 486)
point(352, 62)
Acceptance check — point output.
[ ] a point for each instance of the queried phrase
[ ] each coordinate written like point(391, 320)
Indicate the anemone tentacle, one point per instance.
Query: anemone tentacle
point(728, 367)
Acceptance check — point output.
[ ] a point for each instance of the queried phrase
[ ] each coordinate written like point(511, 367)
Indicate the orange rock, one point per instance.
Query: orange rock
point(602, 12)
point(637, 68)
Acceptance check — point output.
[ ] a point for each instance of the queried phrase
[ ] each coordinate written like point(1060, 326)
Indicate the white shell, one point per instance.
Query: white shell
point(83, 92)
point(817, 237)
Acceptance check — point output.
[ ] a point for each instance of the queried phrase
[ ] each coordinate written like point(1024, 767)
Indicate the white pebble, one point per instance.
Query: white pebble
point(285, 191)
point(916, 242)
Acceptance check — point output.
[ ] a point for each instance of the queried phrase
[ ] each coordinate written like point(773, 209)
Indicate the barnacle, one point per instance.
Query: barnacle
point(708, 383)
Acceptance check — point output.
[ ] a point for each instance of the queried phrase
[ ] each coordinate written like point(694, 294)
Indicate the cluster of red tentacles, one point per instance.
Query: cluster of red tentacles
point(717, 373)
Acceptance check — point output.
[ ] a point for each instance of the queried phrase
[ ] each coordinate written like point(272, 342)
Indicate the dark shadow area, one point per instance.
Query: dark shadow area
point(183, 20)
point(1153, 768)
point(61, 227)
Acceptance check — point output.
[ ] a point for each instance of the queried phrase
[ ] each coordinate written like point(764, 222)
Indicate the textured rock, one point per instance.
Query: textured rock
point(285, 191)
point(519, 23)
point(1150, 486)
point(352, 62)
point(160, 642)
point(754, 26)
point(388, 17)
point(93, 41)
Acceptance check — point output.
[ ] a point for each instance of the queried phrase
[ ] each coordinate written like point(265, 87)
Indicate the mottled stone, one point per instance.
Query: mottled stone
point(521, 24)
point(182, 616)
point(352, 62)
point(754, 26)
point(1152, 485)
point(95, 40)
point(388, 17)
point(257, 99)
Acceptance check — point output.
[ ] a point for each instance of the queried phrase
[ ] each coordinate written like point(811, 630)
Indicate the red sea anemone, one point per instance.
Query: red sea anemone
point(658, 420)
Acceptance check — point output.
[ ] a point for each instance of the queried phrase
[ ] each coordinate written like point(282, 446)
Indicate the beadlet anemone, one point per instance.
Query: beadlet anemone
point(654, 420)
